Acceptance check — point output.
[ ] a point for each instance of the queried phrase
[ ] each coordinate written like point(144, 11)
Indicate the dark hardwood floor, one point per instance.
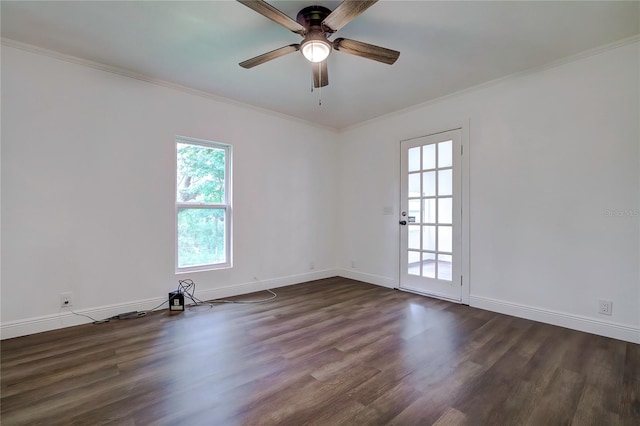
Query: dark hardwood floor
point(329, 352)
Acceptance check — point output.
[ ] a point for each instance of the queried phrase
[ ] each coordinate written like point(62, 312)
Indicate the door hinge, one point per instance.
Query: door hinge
point(461, 149)
point(460, 279)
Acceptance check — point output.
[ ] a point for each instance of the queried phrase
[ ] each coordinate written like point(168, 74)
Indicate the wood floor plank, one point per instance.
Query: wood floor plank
point(630, 393)
point(425, 410)
point(327, 352)
point(560, 399)
point(452, 417)
point(387, 405)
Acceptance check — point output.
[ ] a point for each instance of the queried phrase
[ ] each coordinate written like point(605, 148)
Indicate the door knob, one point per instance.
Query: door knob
point(403, 222)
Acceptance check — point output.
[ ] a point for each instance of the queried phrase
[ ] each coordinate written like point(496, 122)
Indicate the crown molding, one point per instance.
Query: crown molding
point(554, 64)
point(185, 89)
point(148, 79)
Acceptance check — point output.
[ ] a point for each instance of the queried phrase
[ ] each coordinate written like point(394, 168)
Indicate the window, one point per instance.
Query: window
point(203, 205)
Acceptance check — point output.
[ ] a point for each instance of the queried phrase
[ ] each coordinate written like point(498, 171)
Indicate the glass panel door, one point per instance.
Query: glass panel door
point(431, 215)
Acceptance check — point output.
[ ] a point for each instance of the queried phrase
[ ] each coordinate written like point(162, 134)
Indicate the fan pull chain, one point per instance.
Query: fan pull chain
point(312, 81)
point(319, 87)
point(320, 83)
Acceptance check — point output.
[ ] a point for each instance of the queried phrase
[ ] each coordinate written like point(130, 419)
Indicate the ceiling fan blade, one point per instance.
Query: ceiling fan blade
point(320, 74)
point(266, 57)
point(366, 50)
point(268, 11)
point(345, 13)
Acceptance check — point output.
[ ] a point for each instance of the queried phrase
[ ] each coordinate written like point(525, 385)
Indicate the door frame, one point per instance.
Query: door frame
point(465, 253)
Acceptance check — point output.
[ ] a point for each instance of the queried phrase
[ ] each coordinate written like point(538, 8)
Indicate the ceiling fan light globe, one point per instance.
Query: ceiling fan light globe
point(316, 50)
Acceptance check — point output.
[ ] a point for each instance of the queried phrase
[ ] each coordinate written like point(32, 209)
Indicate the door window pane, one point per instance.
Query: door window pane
point(429, 157)
point(444, 267)
point(414, 185)
point(429, 265)
point(445, 239)
point(428, 184)
point(414, 159)
point(445, 184)
point(429, 238)
point(413, 263)
point(445, 151)
point(445, 210)
point(414, 211)
point(414, 237)
point(429, 210)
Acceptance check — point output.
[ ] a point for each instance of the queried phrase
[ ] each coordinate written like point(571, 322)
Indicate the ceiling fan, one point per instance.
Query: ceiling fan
point(316, 24)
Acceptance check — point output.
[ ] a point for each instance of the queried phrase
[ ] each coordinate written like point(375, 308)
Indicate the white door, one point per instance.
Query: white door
point(431, 216)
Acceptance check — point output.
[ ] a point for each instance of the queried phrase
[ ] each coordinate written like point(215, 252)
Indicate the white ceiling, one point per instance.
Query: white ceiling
point(445, 47)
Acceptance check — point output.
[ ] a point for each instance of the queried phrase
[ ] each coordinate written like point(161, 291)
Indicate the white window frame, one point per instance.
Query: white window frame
point(226, 205)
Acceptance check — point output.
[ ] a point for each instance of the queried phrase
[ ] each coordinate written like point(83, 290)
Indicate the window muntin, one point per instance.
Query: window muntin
point(430, 208)
point(203, 205)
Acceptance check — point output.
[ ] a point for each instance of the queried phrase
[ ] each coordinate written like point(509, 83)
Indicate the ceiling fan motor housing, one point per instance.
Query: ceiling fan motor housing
point(315, 43)
point(311, 18)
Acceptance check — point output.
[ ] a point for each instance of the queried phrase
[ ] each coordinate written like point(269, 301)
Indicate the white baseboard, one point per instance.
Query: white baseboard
point(238, 289)
point(367, 278)
point(614, 330)
point(65, 318)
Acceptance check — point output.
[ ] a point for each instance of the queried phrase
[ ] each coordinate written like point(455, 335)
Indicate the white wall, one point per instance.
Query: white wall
point(88, 192)
point(551, 154)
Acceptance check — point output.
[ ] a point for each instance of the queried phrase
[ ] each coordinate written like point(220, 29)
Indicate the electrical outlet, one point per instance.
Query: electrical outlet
point(66, 299)
point(605, 307)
